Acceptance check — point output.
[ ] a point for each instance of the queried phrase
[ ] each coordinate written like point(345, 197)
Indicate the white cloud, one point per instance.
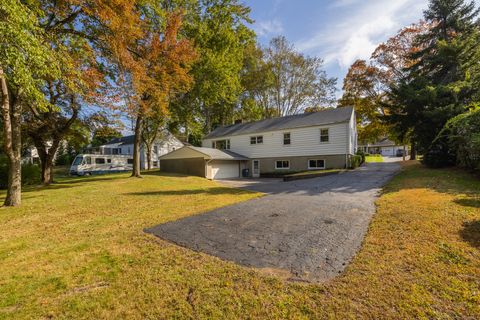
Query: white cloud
point(357, 33)
point(268, 28)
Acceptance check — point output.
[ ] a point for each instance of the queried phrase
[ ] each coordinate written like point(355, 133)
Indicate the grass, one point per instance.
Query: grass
point(77, 250)
point(374, 158)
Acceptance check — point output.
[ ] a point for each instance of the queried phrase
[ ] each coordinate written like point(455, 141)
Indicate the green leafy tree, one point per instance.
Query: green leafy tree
point(26, 59)
point(438, 86)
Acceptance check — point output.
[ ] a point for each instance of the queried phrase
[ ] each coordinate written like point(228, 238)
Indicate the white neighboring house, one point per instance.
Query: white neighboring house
point(124, 146)
point(384, 147)
point(310, 141)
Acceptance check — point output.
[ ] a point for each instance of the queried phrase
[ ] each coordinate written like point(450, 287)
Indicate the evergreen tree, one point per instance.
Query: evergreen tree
point(438, 86)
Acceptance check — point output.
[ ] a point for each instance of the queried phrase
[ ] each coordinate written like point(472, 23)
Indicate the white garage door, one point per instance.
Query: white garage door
point(225, 170)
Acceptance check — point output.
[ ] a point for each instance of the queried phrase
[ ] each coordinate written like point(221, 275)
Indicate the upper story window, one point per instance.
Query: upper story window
point(286, 138)
point(155, 149)
point(256, 140)
point(324, 135)
point(221, 144)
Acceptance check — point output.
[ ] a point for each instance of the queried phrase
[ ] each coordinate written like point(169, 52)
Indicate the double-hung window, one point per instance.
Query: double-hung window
point(286, 139)
point(324, 135)
point(282, 164)
point(256, 140)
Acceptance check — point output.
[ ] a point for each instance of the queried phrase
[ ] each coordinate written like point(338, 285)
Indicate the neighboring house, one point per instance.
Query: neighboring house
point(384, 147)
point(310, 141)
point(124, 146)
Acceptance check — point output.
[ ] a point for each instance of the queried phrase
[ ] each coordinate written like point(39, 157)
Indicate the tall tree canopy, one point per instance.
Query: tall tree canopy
point(438, 85)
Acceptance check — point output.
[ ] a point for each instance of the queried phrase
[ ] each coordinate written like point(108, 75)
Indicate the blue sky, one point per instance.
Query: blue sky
point(339, 31)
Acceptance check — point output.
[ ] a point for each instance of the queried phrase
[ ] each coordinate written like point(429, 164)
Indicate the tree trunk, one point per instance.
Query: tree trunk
point(149, 156)
point(12, 144)
point(46, 156)
point(413, 151)
point(137, 145)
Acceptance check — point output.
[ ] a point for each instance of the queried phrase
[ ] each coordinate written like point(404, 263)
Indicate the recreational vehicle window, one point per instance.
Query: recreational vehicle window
point(109, 160)
point(99, 160)
point(88, 160)
point(130, 161)
point(77, 161)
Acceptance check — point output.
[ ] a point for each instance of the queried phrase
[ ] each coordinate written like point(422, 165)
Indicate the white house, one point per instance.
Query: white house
point(124, 146)
point(310, 141)
point(384, 147)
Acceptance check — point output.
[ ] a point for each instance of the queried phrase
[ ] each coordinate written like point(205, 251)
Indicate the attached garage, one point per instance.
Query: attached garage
point(204, 162)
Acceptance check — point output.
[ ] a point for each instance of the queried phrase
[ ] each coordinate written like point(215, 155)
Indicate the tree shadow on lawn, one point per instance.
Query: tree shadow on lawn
point(180, 192)
point(471, 233)
point(472, 202)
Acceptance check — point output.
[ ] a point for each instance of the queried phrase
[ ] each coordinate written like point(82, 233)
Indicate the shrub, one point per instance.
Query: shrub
point(458, 143)
point(355, 161)
point(361, 154)
point(31, 173)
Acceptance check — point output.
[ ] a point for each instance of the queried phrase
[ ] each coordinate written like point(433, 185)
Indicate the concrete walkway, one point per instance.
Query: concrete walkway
point(307, 230)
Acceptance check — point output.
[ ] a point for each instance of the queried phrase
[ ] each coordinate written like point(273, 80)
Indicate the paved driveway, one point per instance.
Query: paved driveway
point(308, 230)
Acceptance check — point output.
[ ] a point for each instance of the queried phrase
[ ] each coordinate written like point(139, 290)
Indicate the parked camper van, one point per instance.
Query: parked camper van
point(88, 164)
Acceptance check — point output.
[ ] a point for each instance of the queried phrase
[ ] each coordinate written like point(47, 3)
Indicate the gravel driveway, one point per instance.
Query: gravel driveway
point(308, 230)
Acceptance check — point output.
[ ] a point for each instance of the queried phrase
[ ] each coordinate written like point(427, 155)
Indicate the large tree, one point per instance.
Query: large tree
point(153, 66)
point(298, 80)
point(25, 60)
point(438, 85)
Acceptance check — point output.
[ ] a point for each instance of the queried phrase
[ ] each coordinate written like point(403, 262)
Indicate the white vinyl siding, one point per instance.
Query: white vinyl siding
point(304, 142)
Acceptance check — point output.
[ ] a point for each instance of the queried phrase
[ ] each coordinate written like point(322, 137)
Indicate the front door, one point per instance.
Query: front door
point(256, 168)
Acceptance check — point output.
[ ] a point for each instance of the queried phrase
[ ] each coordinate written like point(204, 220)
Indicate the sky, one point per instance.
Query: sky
point(338, 31)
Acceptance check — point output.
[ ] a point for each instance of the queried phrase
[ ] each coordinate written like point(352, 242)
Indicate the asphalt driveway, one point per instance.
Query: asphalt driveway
point(307, 230)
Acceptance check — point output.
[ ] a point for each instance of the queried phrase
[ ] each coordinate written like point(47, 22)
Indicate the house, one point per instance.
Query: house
point(310, 141)
point(124, 146)
point(384, 147)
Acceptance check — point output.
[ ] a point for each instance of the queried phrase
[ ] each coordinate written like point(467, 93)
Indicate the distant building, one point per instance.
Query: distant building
point(124, 146)
point(384, 147)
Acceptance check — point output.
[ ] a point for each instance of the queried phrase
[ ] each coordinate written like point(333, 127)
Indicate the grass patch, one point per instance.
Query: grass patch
point(76, 249)
point(374, 158)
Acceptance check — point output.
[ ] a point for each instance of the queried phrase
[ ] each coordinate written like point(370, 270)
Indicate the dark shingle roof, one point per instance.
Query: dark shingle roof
point(122, 140)
point(216, 154)
point(323, 117)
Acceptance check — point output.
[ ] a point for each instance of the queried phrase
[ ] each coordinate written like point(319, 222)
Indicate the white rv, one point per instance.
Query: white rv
point(88, 164)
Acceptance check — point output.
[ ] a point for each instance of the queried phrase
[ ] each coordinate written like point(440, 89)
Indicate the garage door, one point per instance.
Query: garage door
point(224, 169)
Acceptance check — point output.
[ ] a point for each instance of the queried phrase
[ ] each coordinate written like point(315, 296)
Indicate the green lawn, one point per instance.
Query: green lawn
point(374, 158)
point(76, 250)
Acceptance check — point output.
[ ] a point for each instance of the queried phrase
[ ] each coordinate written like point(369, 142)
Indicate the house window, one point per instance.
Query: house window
point(155, 163)
point(221, 144)
point(155, 149)
point(286, 138)
point(256, 140)
point(99, 160)
point(115, 151)
point(316, 164)
point(324, 136)
point(282, 164)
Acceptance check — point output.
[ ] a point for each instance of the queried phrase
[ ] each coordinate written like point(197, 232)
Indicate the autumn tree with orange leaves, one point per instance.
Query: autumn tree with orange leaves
point(367, 82)
point(153, 65)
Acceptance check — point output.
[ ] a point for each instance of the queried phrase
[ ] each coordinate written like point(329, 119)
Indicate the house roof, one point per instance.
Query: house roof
point(385, 142)
point(328, 116)
point(208, 153)
point(122, 140)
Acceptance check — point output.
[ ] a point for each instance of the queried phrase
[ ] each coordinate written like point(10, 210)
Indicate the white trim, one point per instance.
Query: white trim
point(276, 168)
point(316, 168)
